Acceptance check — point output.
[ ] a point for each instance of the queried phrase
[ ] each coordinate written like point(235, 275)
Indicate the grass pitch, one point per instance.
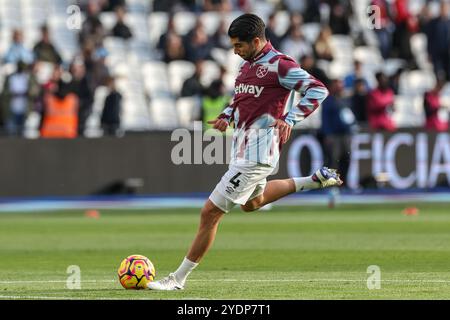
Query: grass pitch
point(286, 253)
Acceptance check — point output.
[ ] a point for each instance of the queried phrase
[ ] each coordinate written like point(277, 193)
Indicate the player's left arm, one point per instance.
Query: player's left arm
point(313, 91)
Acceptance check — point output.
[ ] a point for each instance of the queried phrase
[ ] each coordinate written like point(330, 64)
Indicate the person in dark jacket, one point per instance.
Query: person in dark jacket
point(438, 35)
point(121, 30)
point(44, 50)
point(110, 119)
point(338, 122)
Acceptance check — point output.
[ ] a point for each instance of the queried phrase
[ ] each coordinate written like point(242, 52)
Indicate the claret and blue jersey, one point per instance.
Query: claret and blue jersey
point(264, 92)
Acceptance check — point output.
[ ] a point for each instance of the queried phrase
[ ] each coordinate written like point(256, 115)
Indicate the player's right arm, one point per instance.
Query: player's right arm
point(222, 122)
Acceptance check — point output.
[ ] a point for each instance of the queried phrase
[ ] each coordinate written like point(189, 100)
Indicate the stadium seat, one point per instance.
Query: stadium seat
point(156, 79)
point(418, 43)
point(409, 111)
point(45, 71)
point(415, 6)
point(31, 126)
point(115, 46)
point(342, 47)
point(369, 56)
point(311, 31)
point(93, 121)
point(10, 14)
point(211, 20)
point(416, 82)
point(212, 72)
point(141, 6)
point(445, 97)
point(188, 109)
point(219, 55)
point(35, 13)
point(233, 62)
point(339, 69)
point(163, 114)
point(108, 20)
point(281, 22)
point(31, 35)
point(179, 71)
point(157, 25)
point(184, 22)
point(138, 24)
point(136, 116)
point(263, 8)
point(390, 66)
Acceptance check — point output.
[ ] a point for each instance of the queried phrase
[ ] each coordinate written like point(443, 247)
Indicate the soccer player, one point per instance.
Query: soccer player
point(263, 113)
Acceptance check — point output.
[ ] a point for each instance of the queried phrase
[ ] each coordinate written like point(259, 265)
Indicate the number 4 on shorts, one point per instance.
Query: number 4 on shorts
point(235, 182)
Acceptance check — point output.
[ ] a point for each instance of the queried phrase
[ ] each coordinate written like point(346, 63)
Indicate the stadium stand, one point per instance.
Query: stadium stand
point(151, 87)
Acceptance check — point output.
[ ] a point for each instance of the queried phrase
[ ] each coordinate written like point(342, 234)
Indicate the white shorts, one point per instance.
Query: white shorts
point(240, 184)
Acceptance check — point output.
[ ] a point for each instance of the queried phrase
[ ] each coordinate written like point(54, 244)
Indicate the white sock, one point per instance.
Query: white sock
point(305, 184)
point(184, 270)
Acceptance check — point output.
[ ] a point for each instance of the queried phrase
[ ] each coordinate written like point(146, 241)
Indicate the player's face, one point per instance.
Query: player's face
point(246, 50)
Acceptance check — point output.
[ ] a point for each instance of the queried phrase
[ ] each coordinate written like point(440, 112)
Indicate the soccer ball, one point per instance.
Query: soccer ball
point(135, 272)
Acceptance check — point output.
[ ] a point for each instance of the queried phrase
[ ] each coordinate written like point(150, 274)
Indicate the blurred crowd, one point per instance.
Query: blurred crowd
point(65, 101)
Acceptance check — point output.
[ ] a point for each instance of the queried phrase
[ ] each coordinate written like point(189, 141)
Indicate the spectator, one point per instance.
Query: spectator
point(100, 72)
point(110, 119)
point(385, 29)
point(80, 86)
point(16, 99)
point(191, 5)
point(295, 45)
point(338, 122)
point(340, 14)
point(165, 36)
point(197, 43)
point(121, 30)
point(294, 5)
point(60, 112)
point(213, 103)
point(438, 34)
point(112, 5)
point(166, 5)
point(405, 25)
point(349, 80)
point(192, 86)
point(217, 5)
point(322, 45)
point(17, 52)
point(312, 11)
point(308, 64)
point(275, 39)
point(220, 38)
point(174, 48)
point(359, 102)
point(432, 105)
point(44, 50)
point(92, 28)
point(394, 80)
point(295, 22)
point(380, 105)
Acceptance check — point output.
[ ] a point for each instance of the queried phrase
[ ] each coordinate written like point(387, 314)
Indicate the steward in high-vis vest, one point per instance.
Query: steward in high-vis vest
point(213, 103)
point(60, 114)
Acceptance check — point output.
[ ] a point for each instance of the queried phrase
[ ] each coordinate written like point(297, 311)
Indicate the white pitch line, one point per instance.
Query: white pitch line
point(78, 298)
point(50, 281)
point(243, 280)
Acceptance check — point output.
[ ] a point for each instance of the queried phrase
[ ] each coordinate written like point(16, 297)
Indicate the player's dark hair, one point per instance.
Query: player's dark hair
point(247, 27)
